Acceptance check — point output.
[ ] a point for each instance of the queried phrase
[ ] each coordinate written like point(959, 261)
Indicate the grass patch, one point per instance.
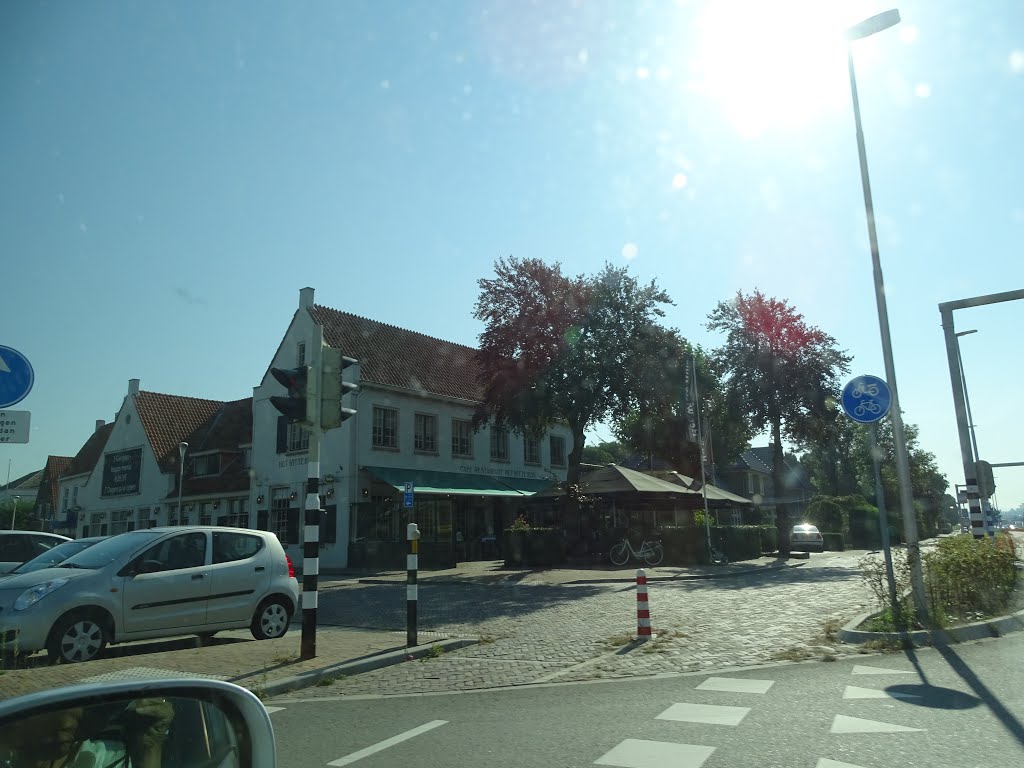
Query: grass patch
point(486, 639)
point(327, 680)
point(285, 658)
point(617, 641)
point(830, 630)
point(435, 652)
point(793, 653)
point(885, 645)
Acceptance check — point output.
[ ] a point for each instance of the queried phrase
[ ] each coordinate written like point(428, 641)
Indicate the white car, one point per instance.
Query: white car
point(17, 547)
point(806, 538)
point(158, 582)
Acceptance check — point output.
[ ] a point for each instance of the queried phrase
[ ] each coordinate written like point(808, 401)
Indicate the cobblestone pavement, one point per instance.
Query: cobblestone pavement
point(541, 632)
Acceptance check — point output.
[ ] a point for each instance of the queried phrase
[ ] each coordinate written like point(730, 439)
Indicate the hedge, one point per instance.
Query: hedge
point(834, 542)
point(738, 542)
point(684, 545)
point(769, 539)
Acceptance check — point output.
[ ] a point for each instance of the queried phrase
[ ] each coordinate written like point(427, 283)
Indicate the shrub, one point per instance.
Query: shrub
point(967, 578)
point(873, 574)
point(834, 542)
point(684, 545)
point(769, 539)
point(738, 542)
point(827, 514)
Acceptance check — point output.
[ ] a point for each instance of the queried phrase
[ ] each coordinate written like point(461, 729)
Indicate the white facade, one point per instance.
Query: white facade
point(346, 485)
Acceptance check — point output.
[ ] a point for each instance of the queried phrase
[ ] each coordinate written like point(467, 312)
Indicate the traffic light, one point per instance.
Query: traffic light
point(986, 480)
point(294, 406)
point(332, 388)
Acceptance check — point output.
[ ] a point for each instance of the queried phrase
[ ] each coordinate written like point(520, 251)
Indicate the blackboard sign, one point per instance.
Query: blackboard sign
point(121, 473)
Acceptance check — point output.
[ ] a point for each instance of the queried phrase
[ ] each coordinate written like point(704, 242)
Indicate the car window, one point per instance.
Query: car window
point(114, 548)
point(228, 547)
point(15, 549)
point(187, 550)
point(53, 555)
point(41, 544)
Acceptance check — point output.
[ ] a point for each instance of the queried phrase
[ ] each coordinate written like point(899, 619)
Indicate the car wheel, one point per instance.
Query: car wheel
point(271, 619)
point(78, 637)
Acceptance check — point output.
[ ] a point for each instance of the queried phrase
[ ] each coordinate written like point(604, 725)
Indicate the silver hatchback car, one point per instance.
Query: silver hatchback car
point(158, 582)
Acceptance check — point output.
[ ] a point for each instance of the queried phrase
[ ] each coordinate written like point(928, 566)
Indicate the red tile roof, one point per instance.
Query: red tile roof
point(399, 358)
point(50, 485)
point(86, 458)
point(169, 419)
point(228, 429)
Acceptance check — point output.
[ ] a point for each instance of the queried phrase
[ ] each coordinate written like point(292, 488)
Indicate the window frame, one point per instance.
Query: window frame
point(456, 425)
point(384, 410)
point(499, 438)
point(562, 455)
point(427, 418)
point(297, 438)
point(527, 442)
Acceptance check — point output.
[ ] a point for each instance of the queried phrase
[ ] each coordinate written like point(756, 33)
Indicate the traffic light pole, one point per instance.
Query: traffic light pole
point(311, 534)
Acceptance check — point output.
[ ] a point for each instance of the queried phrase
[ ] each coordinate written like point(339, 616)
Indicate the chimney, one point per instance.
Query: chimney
point(99, 424)
point(133, 387)
point(305, 298)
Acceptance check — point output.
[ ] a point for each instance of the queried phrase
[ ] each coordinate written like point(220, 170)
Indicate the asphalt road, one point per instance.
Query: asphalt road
point(956, 707)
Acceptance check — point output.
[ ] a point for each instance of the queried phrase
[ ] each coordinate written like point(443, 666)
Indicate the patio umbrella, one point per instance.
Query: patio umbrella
point(615, 480)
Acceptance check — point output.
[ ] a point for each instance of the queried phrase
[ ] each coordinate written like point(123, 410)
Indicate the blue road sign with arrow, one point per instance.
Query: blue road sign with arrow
point(866, 399)
point(16, 376)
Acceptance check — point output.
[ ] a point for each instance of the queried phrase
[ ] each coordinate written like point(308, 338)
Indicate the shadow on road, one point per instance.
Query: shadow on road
point(803, 574)
point(140, 648)
point(383, 606)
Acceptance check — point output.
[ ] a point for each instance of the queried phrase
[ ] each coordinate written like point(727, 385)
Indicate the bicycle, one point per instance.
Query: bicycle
point(717, 556)
point(651, 551)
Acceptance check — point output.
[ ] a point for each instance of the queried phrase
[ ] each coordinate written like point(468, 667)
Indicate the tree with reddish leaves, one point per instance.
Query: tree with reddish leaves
point(781, 373)
point(567, 349)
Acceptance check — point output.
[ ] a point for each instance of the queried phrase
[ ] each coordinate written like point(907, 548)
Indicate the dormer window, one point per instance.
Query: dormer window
point(208, 464)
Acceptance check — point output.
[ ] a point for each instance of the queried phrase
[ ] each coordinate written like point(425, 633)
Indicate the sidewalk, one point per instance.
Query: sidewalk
point(267, 666)
point(494, 572)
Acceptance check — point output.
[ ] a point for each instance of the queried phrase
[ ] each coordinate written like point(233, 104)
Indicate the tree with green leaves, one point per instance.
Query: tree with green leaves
point(663, 431)
point(605, 452)
point(780, 373)
point(567, 349)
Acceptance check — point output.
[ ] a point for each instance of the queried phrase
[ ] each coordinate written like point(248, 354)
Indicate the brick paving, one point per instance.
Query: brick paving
point(549, 631)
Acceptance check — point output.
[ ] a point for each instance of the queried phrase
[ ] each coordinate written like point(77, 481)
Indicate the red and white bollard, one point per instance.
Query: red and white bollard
point(643, 608)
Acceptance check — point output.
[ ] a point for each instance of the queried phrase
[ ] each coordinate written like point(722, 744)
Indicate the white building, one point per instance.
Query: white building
point(126, 475)
point(417, 398)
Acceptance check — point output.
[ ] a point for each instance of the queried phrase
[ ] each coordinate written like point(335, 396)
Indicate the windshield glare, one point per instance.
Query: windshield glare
point(106, 552)
point(52, 556)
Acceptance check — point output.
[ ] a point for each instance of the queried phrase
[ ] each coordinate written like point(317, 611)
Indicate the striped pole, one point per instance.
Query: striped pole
point(643, 608)
point(412, 533)
point(311, 549)
point(979, 523)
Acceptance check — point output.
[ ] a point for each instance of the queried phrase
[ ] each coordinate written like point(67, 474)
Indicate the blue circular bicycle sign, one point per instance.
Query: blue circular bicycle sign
point(866, 399)
point(16, 377)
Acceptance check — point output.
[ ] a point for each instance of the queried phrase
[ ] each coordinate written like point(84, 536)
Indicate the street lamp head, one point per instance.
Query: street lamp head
point(964, 333)
point(873, 26)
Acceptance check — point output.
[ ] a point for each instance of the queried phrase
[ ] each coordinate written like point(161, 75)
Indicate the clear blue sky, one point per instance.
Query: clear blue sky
point(175, 171)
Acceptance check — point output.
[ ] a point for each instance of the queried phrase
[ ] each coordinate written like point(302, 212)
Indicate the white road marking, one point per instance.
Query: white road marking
point(826, 763)
point(862, 670)
point(844, 724)
point(272, 710)
point(712, 714)
point(382, 745)
point(735, 685)
point(853, 692)
point(639, 753)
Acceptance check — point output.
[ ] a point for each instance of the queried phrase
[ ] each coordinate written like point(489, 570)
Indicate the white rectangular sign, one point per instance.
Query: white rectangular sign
point(14, 426)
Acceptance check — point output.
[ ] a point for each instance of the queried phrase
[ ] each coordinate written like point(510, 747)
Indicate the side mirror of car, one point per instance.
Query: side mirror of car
point(187, 723)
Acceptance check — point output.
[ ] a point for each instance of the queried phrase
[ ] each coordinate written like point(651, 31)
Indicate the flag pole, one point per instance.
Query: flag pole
point(700, 444)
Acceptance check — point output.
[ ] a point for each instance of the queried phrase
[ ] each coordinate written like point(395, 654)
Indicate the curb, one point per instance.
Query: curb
point(977, 630)
point(583, 582)
point(378, 661)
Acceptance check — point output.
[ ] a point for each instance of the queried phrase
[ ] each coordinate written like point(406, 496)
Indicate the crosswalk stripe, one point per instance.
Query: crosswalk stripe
point(711, 714)
point(735, 685)
point(640, 753)
point(862, 670)
point(853, 692)
point(845, 724)
point(272, 710)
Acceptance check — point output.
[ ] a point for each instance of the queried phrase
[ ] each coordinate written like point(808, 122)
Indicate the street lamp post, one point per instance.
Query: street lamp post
point(14, 510)
point(182, 447)
point(859, 31)
point(967, 399)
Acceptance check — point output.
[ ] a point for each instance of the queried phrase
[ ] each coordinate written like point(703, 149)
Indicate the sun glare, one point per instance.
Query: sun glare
point(771, 65)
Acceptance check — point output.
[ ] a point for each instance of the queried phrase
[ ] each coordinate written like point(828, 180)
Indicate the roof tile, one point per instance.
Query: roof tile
point(170, 419)
point(87, 456)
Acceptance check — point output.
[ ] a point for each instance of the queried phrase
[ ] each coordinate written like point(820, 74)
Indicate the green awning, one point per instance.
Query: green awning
point(456, 483)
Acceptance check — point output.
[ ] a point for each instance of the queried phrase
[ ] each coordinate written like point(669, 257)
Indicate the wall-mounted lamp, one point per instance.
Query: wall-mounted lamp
point(259, 499)
point(328, 478)
point(190, 507)
point(216, 504)
point(330, 492)
point(366, 493)
point(293, 496)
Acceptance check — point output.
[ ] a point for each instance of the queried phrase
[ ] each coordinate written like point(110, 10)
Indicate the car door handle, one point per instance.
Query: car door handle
point(198, 576)
point(260, 568)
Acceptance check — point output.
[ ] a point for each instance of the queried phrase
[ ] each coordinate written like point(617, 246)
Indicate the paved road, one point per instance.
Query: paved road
point(941, 709)
point(573, 632)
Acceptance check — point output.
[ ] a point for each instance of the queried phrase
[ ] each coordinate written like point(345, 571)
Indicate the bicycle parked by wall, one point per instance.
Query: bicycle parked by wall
point(650, 552)
point(717, 556)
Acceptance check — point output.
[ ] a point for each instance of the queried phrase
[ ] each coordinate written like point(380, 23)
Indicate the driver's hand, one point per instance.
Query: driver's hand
point(153, 719)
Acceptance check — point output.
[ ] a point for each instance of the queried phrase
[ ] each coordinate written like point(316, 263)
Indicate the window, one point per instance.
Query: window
point(426, 433)
point(229, 547)
point(74, 496)
point(751, 484)
point(206, 465)
point(385, 427)
point(185, 551)
point(146, 517)
point(462, 437)
point(64, 508)
point(557, 446)
point(499, 443)
point(238, 514)
point(298, 438)
point(769, 516)
point(204, 513)
point(531, 450)
point(279, 513)
point(121, 521)
point(300, 354)
point(737, 517)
